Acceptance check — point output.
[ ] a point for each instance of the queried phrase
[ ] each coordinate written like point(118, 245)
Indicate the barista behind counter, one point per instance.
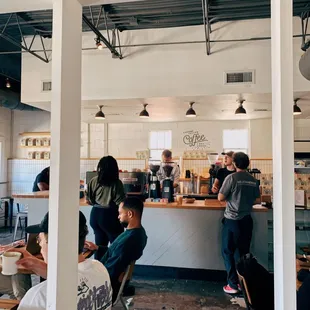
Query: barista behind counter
point(175, 174)
point(222, 173)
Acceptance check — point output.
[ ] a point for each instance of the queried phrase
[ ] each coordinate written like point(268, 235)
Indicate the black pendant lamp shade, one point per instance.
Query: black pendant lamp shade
point(100, 115)
point(191, 112)
point(144, 113)
point(296, 108)
point(240, 109)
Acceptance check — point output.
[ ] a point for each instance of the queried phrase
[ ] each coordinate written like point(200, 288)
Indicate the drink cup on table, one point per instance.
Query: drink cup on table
point(9, 259)
point(179, 199)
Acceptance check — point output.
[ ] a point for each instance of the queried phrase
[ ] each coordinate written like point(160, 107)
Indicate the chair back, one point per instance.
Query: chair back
point(245, 290)
point(123, 278)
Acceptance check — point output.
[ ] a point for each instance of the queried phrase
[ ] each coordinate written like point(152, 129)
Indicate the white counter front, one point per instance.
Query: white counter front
point(177, 237)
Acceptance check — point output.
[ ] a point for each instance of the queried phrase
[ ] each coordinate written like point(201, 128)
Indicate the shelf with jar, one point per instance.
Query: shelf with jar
point(35, 140)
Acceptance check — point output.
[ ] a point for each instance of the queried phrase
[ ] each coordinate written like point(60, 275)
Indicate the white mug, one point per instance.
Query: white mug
point(9, 260)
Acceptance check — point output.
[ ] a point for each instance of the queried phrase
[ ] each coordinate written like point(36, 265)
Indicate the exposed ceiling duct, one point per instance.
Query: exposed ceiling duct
point(304, 65)
point(11, 101)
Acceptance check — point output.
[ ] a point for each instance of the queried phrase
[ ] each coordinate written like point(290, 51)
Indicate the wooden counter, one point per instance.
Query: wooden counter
point(209, 204)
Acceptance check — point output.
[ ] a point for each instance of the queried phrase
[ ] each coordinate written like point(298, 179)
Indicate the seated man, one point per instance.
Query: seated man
point(128, 246)
point(91, 273)
point(17, 285)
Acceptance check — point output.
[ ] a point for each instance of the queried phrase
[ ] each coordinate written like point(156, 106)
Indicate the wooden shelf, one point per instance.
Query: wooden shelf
point(35, 134)
point(34, 147)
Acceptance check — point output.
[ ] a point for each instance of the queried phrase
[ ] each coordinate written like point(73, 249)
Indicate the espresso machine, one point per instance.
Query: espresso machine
point(167, 190)
point(154, 184)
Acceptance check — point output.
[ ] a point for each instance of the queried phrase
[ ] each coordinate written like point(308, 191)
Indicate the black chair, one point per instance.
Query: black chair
point(257, 284)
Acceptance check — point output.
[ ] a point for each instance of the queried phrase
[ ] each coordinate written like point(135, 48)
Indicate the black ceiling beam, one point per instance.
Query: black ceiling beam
point(100, 35)
point(12, 41)
point(36, 28)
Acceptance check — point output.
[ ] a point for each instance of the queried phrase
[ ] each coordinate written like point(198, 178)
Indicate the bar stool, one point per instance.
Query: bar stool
point(21, 215)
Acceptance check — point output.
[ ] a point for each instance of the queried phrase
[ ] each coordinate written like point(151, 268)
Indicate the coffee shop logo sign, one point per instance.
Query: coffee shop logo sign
point(195, 140)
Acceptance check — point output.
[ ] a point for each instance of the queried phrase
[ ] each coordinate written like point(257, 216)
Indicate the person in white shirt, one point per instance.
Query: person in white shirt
point(175, 174)
point(94, 289)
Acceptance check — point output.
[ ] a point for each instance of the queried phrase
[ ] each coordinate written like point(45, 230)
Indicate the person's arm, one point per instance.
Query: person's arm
point(89, 193)
point(30, 262)
point(216, 186)
point(257, 195)
point(100, 250)
point(225, 189)
point(118, 261)
point(43, 186)
point(42, 182)
point(176, 177)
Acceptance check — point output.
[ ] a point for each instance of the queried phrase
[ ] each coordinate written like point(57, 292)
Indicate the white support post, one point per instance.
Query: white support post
point(283, 154)
point(65, 155)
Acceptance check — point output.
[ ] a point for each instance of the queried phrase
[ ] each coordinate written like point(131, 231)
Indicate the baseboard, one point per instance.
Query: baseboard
point(158, 272)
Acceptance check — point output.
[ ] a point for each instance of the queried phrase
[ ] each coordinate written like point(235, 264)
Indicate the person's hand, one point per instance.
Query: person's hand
point(36, 265)
point(90, 246)
point(214, 189)
point(4, 248)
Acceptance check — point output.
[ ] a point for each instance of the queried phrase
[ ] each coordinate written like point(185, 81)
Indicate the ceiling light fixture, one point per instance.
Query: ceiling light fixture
point(100, 115)
point(191, 112)
point(98, 43)
point(240, 109)
point(296, 108)
point(8, 84)
point(144, 113)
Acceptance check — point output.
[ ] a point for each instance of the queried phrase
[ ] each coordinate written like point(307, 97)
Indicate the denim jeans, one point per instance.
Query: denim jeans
point(236, 241)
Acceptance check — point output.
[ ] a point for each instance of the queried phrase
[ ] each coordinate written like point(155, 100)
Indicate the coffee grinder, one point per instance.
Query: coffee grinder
point(167, 190)
point(154, 184)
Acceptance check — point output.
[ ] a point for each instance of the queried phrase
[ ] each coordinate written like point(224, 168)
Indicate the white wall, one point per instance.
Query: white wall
point(171, 70)
point(5, 137)
point(126, 139)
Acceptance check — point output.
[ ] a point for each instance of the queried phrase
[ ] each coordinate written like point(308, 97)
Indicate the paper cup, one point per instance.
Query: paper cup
point(179, 199)
point(9, 260)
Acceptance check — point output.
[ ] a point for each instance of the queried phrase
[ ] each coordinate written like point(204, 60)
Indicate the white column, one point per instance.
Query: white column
point(65, 155)
point(283, 154)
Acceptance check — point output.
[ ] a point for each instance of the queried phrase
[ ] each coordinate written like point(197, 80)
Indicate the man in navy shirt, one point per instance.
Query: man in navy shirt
point(128, 246)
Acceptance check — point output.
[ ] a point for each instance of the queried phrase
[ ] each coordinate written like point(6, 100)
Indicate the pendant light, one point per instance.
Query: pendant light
point(296, 108)
point(191, 112)
point(240, 109)
point(144, 113)
point(100, 115)
point(8, 84)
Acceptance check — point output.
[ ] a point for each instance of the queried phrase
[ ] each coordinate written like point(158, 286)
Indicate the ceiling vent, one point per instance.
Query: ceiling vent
point(46, 86)
point(239, 77)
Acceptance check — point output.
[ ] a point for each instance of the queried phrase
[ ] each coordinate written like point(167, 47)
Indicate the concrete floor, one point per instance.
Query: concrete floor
point(171, 294)
point(182, 295)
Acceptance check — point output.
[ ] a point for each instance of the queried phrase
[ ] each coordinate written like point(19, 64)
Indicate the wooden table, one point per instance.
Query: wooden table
point(9, 304)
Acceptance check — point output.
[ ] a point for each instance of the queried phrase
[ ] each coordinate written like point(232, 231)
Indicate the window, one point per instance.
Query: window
point(159, 141)
point(236, 140)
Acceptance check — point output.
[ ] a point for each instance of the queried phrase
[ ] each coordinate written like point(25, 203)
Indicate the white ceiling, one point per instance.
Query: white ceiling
point(173, 109)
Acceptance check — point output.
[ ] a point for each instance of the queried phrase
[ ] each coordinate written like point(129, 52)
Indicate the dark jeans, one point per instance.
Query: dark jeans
point(106, 226)
point(236, 237)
